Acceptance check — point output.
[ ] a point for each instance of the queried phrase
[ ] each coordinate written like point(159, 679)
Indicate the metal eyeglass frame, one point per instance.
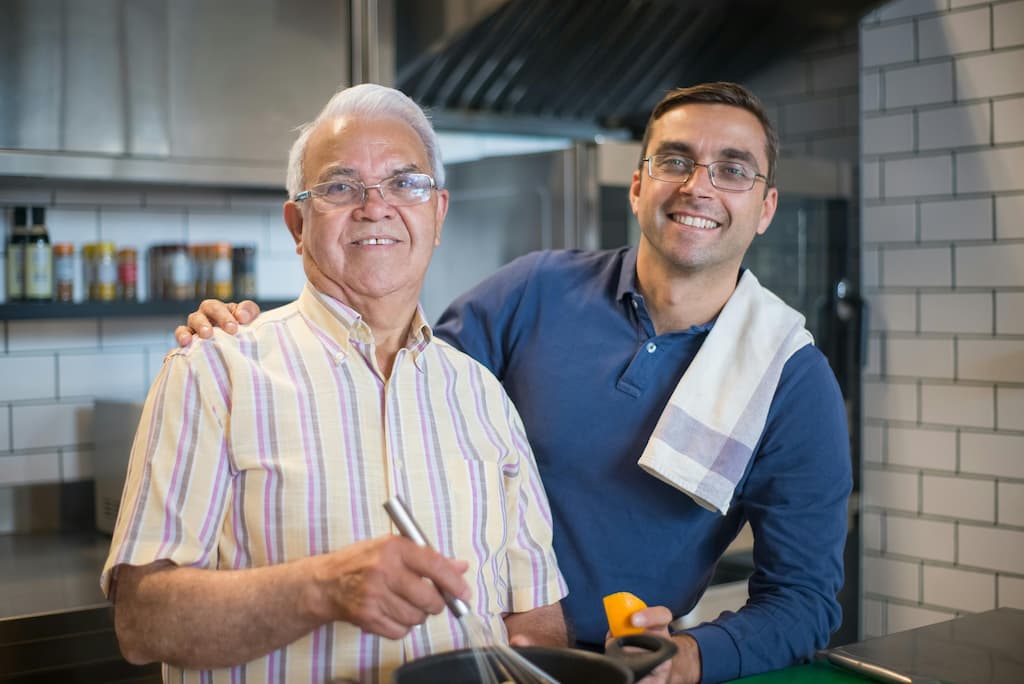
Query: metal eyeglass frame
point(711, 173)
point(312, 192)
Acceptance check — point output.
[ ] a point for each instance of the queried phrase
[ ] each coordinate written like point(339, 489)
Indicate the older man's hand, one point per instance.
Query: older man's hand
point(378, 585)
point(215, 313)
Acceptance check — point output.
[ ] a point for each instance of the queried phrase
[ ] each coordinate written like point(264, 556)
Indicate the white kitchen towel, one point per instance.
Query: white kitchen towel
point(706, 435)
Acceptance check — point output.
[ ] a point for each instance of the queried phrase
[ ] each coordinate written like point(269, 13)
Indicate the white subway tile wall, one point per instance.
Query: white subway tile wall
point(923, 448)
point(948, 297)
point(956, 220)
point(956, 312)
point(895, 312)
point(54, 369)
point(1010, 313)
point(1010, 591)
point(1008, 118)
point(890, 489)
point(919, 356)
point(964, 590)
point(960, 405)
point(954, 33)
point(893, 578)
point(1010, 408)
point(1009, 209)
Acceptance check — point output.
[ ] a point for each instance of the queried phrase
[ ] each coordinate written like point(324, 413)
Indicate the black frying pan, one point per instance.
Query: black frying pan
point(566, 665)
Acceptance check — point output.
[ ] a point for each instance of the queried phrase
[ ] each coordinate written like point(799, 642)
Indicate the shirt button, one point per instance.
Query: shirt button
point(651, 347)
point(635, 305)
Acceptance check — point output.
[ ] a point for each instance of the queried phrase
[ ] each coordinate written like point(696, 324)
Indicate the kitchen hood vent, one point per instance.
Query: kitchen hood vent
point(603, 64)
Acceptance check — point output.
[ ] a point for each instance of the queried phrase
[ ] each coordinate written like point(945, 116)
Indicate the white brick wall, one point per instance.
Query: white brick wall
point(954, 33)
point(953, 127)
point(971, 592)
point(958, 405)
point(956, 220)
point(954, 312)
point(922, 448)
point(943, 122)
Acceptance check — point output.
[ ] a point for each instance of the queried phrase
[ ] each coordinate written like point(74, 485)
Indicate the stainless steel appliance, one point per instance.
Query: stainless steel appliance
point(114, 424)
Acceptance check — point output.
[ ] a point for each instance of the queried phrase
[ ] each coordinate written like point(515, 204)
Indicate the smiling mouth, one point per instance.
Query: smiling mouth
point(694, 221)
point(375, 241)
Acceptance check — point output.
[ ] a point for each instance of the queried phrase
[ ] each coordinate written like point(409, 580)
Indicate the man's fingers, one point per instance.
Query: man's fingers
point(652, 619)
point(183, 335)
point(247, 311)
point(199, 324)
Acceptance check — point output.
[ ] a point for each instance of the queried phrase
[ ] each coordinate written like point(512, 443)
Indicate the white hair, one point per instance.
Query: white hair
point(372, 101)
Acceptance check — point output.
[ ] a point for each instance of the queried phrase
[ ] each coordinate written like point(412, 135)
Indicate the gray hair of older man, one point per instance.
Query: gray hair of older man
point(371, 101)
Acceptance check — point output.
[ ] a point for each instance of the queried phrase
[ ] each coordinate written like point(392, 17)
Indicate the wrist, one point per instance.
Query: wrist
point(686, 666)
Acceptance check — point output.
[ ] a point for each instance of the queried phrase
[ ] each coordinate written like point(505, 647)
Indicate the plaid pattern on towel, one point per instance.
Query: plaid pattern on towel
point(706, 434)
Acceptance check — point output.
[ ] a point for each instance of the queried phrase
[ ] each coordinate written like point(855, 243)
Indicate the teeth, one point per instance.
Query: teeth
point(696, 222)
point(377, 241)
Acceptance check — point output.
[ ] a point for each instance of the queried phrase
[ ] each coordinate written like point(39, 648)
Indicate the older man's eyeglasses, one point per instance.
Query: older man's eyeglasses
point(725, 175)
point(400, 190)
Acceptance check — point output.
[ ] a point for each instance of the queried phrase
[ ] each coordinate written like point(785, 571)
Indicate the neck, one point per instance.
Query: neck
point(389, 319)
point(678, 299)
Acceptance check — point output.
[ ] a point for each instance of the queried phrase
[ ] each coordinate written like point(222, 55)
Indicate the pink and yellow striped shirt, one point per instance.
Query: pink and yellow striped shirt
point(284, 442)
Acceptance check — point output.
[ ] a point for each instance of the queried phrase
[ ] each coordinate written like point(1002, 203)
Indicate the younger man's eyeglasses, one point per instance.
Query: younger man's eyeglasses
point(725, 175)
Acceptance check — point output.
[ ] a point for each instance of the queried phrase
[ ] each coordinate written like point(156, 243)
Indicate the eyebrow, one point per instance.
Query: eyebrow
point(727, 154)
point(348, 172)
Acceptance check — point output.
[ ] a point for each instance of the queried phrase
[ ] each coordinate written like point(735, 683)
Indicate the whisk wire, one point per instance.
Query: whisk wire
point(492, 656)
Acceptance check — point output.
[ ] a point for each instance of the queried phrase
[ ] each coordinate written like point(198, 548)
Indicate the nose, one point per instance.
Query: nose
point(374, 206)
point(699, 183)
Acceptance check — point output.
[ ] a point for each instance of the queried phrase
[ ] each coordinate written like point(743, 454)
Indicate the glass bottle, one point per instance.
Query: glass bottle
point(64, 271)
point(221, 286)
point(38, 259)
point(243, 268)
point(16, 255)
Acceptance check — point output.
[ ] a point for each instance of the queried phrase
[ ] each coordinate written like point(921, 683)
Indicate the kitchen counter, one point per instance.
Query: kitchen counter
point(55, 624)
point(44, 573)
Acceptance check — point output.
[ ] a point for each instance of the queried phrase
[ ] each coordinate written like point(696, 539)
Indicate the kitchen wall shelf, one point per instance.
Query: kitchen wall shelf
point(15, 311)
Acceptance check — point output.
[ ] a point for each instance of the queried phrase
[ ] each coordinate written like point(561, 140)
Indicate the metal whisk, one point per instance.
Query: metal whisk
point(497, 662)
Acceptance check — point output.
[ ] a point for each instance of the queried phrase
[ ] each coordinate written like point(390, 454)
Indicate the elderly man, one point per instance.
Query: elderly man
point(671, 399)
point(251, 543)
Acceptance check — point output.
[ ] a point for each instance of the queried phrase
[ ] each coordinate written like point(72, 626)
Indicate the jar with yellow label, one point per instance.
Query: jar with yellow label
point(104, 269)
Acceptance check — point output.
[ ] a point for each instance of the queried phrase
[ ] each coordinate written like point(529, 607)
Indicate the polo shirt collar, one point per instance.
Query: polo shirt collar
point(627, 275)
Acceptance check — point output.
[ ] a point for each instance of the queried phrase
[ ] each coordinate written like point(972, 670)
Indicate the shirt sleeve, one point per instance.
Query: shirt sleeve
point(796, 501)
point(176, 488)
point(534, 577)
point(480, 322)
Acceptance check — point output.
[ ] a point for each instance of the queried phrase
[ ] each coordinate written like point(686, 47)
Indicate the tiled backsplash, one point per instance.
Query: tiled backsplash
point(53, 369)
point(943, 478)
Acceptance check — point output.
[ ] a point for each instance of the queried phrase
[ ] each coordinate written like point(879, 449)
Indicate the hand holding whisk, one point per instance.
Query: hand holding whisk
point(494, 658)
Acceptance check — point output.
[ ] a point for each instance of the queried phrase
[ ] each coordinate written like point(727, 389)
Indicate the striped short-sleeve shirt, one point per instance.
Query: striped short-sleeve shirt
point(284, 441)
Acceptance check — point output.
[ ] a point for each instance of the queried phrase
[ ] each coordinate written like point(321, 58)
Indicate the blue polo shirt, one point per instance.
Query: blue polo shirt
point(571, 339)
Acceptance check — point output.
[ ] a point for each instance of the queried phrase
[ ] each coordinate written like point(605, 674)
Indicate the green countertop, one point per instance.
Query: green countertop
point(811, 673)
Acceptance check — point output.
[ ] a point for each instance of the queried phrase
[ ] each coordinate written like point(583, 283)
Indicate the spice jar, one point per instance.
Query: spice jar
point(178, 282)
point(104, 272)
point(127, 274)
point(64, 271)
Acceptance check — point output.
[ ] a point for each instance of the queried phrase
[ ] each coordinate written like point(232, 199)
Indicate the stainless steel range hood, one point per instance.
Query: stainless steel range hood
point(600, 64)
point(170, 91)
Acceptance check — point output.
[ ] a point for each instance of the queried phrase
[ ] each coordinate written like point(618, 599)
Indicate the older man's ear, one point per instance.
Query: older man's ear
point(293, 219)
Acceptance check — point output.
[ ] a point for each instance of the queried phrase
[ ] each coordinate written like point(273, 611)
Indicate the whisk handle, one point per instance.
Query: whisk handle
point(406, 524)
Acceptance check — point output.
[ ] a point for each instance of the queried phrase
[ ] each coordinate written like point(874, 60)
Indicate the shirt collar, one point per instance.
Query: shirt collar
point(627, 276)
point(342, 325)
point(628, 287)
